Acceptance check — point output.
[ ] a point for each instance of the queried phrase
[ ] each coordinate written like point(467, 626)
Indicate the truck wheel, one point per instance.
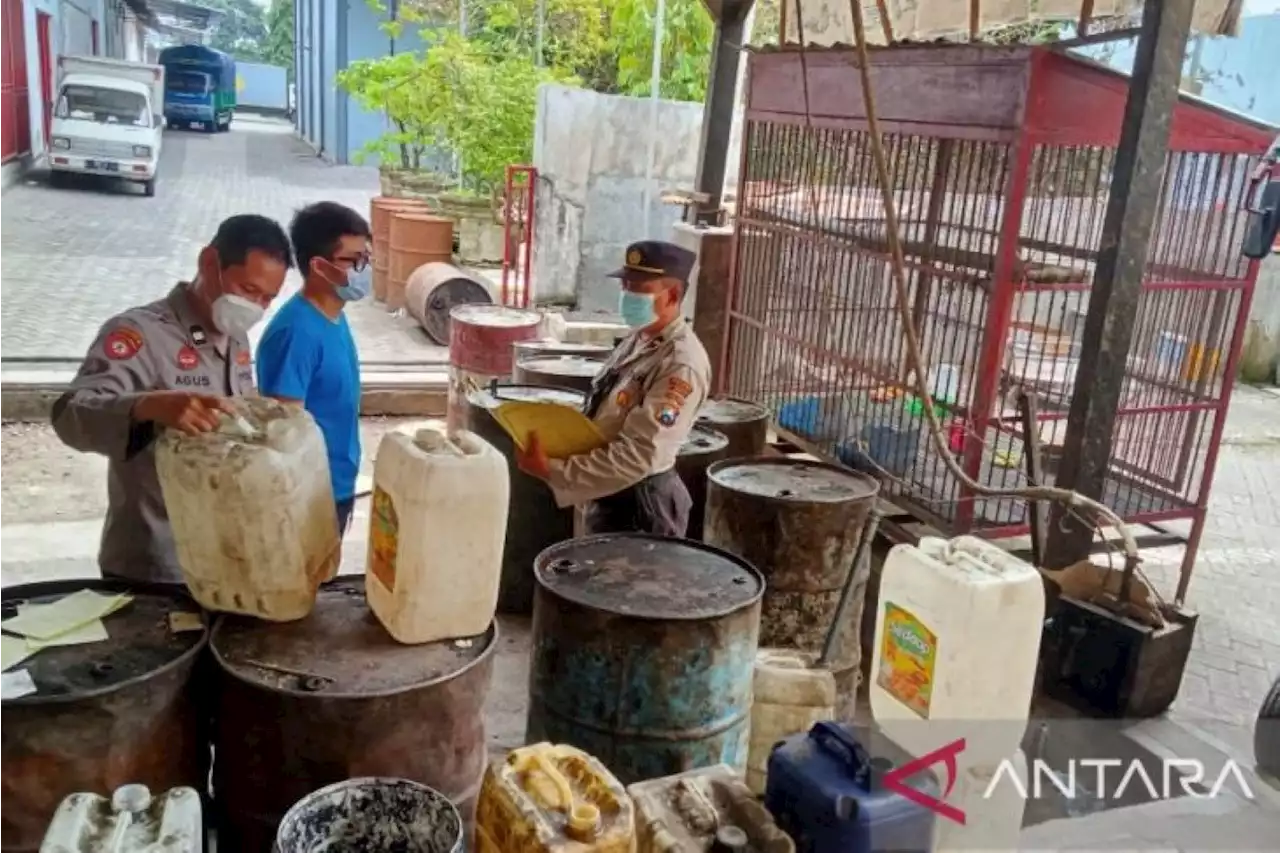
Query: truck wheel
point(223, 128)
point(149, 188)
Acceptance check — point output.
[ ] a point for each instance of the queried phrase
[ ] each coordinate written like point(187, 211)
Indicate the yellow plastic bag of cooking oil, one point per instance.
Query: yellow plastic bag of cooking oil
point(545, 798)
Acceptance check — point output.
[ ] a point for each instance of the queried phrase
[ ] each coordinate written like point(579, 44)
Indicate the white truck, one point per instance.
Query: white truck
point(107, 120)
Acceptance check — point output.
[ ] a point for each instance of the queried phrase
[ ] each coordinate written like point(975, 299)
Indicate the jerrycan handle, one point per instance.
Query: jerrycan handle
point(835, 741)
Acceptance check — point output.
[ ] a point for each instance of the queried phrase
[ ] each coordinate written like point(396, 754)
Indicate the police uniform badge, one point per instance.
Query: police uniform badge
point(634, 258)
point(668, 415)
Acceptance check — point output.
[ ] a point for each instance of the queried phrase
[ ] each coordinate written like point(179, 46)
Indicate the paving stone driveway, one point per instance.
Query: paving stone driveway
point(73, 257)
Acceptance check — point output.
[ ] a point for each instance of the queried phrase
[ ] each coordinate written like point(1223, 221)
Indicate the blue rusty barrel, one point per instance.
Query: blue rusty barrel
point(643, 652)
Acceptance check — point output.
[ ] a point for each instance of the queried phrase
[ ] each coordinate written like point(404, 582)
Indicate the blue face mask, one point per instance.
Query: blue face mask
point(358, 284)
point(637, 309)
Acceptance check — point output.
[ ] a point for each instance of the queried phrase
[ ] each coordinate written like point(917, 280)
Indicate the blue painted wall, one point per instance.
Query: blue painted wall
point(330, 34)
point(364, 41)
point(1239, 73)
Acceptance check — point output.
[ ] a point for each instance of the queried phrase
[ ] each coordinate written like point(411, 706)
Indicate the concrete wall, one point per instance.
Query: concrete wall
point(1260, 360)
point(260, 86)
point(591, 151)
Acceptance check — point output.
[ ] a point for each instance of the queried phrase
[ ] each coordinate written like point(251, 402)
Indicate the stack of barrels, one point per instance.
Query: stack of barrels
point(406, 235)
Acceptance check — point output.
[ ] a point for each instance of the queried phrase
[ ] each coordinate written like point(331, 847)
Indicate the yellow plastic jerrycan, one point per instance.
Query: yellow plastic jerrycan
point(545, 798)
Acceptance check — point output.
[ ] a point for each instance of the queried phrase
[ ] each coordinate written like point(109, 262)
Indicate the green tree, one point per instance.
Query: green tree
point(687, 34)
point(240, 30)
point(278, 47)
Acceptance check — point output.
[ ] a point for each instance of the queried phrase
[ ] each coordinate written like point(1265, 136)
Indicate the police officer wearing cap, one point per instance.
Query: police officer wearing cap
point(170, 364)
point(644, 401)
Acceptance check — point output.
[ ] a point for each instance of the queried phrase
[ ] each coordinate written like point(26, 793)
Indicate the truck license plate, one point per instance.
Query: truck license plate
point(104, 165)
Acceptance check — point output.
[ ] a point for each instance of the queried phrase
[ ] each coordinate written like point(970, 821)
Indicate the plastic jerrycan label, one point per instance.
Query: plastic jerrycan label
point(548, 798)
point(957, 643)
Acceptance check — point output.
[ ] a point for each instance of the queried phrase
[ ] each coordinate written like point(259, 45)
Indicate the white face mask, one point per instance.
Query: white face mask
point(235, 316)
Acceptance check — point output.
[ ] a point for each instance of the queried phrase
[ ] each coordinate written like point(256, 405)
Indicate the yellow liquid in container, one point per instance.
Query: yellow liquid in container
point(683, 813)
point(553, 798)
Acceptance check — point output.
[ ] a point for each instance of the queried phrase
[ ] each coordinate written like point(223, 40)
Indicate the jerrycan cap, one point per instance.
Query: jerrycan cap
point(729, 839)
point(131, 799)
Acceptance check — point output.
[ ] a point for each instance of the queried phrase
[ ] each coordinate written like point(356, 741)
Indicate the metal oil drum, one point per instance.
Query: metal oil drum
point(799, 523)
point(561, 371)
point(416, 238)
point(380, 212)
point(480, 341)
point(703, 447)
point(434, 290)
point(643, 653)
point(128, 709)
point(534, 522)
point(331, 697)
point(545, 349)
point(746, 425)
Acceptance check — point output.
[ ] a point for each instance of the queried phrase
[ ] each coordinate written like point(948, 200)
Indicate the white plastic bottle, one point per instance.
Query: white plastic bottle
point(436, 533)
point(957, 642)
point(252, 512)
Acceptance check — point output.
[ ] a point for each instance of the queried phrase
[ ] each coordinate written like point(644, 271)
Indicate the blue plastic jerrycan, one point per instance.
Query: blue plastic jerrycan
point(829, 794)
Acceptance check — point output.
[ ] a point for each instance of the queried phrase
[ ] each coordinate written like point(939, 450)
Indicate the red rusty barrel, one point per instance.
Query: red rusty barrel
point(799, 523)
point(434, 290)
point(745, 424)
point(480, 350)
point(305, 704)
point(417, 238)
point(380, 210)
point(131, 708)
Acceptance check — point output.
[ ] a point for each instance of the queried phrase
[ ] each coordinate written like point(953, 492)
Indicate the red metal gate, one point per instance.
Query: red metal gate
point(15, 105)
point(1000, 161)
point(517, 235)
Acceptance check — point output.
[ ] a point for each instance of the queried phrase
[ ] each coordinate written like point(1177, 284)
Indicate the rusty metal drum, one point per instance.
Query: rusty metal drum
point(416, 238)
point(131, 708)
point(643, 652)
point(745, 424)
point(306, 704)
point(561, 371)
point(534, 522)
point(435, 289)
point(703, 447)
point(546, 349)
point(380, 212)
point(799, 523)
point(480, 349)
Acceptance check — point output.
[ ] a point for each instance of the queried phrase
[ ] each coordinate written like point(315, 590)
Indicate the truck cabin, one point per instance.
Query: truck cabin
point(189, 82)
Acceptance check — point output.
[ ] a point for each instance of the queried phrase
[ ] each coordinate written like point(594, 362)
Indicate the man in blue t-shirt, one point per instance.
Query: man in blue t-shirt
point(307, 355)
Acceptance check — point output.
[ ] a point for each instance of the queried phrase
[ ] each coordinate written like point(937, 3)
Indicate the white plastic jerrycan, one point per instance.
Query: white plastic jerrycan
point(436, 533)
point(957, 641)
point(131, 821)
point(252, 510)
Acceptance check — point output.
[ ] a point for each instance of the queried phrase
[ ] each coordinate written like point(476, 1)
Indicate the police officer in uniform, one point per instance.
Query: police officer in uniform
point(645, 402)
point(172, 363)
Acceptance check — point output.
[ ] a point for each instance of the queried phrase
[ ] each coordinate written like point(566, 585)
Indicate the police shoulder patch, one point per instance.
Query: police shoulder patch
point(678, 388)
point(243, 358)
point(122, 344)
